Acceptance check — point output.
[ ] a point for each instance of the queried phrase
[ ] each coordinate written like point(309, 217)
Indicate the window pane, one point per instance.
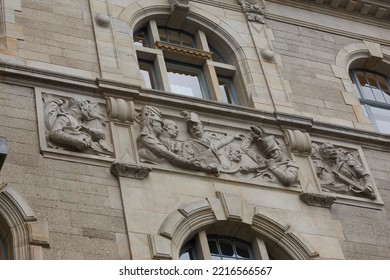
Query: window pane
point(185, 83)
point(381, 118)
point(227, 91)
point(367, 93)
point(187, 40)
point(146, 69)
point(242, 251)
point(173, 37)
point(163, 34)
point(213, 247)
point(140, 39)
point(226, 248)
point(378, 94)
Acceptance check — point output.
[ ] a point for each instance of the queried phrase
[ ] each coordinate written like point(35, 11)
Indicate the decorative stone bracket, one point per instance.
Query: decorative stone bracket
point(129, 170)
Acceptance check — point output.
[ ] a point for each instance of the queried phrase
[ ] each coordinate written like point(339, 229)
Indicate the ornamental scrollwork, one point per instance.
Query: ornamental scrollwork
point(254, 10)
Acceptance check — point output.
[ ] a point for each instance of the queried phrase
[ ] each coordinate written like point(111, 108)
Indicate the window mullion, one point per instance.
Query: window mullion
point(161, 72)
point(212, 81)
point(202, 246)
point(259, 248)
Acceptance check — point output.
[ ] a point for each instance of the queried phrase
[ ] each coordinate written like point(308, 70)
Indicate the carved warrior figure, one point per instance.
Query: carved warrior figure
point(205, 147)
point(254, 10)
point(152, 150)
point(276, 166)
point(340, 171)
point(76, 124)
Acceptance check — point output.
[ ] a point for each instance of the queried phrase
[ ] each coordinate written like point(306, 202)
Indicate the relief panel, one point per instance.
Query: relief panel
point(73, 125)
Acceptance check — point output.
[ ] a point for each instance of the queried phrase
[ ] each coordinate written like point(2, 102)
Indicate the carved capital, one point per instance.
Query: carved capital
point(317, 199)
point(179, 11)
point(298, 141)
point(129, 170)
point(121, 109)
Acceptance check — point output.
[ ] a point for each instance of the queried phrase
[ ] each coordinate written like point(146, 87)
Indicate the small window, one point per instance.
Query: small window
point(227, 90)
point(221, 248)
point(176, 37)
point(373, 90)
point(147, 71)
point(140, 38)
point(187, 80)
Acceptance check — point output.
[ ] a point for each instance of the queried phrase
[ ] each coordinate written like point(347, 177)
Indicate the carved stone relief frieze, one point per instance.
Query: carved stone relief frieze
point(72, 124)
point(341, 171)
point(252, 155)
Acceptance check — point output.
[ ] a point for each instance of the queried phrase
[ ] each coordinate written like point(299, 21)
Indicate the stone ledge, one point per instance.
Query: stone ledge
point(129, 170)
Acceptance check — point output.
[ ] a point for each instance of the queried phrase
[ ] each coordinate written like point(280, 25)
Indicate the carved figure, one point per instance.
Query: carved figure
point(230, 159)
point(276, 165)
point(204, 146)
point(77, 125)
point(340, 171)
point(254, 10)
point(168, 134)
point(152, 150)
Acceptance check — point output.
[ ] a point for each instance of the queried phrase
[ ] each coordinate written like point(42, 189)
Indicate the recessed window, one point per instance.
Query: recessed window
point(374, 94)
point(220, 248)
point(227, 90)
point(147, 71)
point(186, 80)
point(184, 63)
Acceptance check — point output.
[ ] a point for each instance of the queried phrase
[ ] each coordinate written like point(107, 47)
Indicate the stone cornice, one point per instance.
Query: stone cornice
point(183, 50)
point(27, 76)
point(372, 12)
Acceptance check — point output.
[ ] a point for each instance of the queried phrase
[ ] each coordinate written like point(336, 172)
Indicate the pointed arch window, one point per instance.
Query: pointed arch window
point(373, 90)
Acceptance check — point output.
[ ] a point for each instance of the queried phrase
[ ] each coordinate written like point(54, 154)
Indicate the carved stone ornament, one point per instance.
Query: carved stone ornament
point(317, 199)
point(76, 124)
point(129, 170)
point(253, 156)
point(254, 10)
point(341, 171)
point(180, 5)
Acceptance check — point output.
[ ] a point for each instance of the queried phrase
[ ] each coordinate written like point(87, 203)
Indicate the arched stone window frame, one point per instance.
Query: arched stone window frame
point(367, 55)
point(193, 220)
point(225, 40)
point(23, 235)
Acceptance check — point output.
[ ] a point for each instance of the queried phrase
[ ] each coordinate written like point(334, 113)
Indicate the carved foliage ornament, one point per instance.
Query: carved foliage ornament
point(76, 124)
point(254, 10)
point(255, 156)
point(341, 171)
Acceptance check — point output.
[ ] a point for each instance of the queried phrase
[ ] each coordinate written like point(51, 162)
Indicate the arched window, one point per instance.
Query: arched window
point(5, 240)
point(221, 248)
point(374, 94)
point(184, 62)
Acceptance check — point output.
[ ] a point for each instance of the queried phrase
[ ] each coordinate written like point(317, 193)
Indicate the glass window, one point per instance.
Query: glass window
point(221, 248)
point(140, 38)
point(186, 80)
point(374, 95)
point(186, 72)
point(227, 90)
point(147, 71)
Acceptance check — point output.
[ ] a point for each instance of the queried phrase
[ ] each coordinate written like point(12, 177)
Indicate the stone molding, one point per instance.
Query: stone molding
point(28, 233)
point(176, 227)
point(183, 50)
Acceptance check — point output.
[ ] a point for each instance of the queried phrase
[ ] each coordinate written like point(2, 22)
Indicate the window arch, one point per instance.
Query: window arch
point(188, 229)
point(21, 235)
point(188, 61)
point(373, 90)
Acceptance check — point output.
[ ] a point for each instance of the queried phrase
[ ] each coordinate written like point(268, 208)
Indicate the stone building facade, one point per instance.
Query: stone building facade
point(167, 129)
